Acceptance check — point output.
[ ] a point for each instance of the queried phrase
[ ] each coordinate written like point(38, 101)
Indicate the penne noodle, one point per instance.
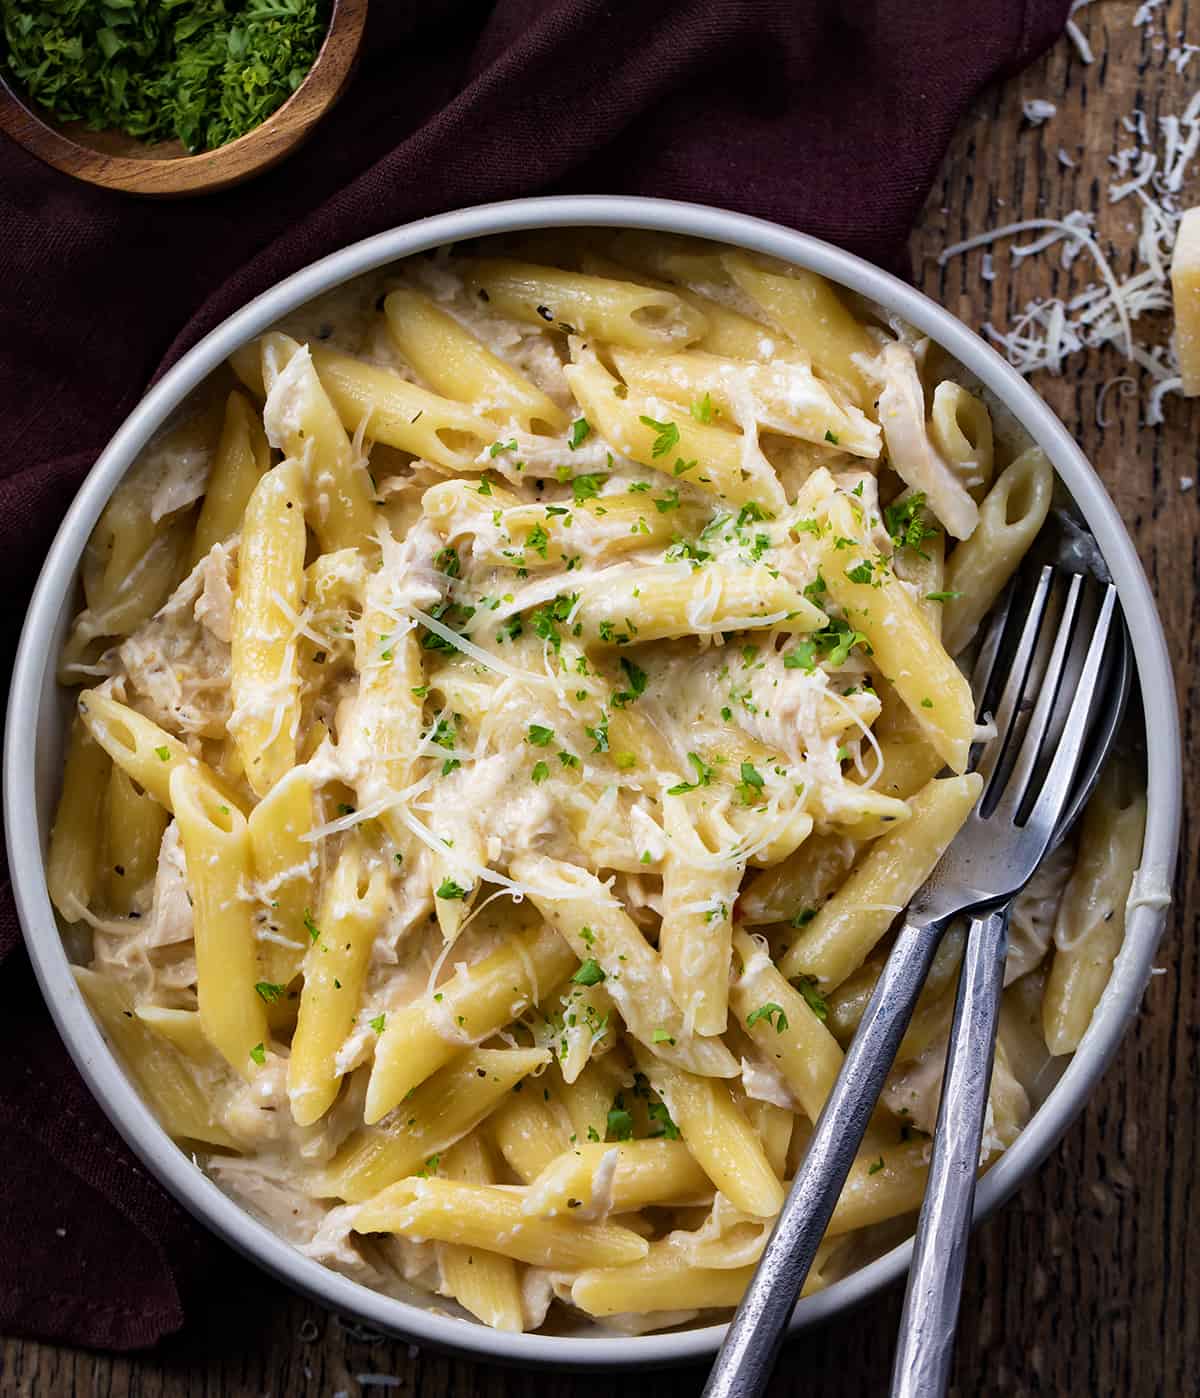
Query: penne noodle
point(216, 843)
point(839, 938)
point(573, 303)
point(481, 1215)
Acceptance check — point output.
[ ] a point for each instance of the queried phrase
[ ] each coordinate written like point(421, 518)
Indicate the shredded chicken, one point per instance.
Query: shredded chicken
point(911, 454)
point(177, 664)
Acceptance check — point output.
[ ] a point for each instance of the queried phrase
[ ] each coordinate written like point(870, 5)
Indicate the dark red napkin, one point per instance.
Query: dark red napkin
point(831, 116)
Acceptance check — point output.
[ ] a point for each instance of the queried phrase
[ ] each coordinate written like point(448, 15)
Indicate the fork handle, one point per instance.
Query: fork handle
point(931, 1300)
point(756, 1332)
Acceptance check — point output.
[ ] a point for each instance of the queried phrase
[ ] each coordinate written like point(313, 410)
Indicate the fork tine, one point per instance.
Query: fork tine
point(1014, 687)
point(983, 671)
point(1116, 680)
point(1033, 739)
point(1052, 799)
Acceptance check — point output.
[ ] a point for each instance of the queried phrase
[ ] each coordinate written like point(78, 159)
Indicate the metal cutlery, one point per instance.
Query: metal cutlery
point(1035, 780)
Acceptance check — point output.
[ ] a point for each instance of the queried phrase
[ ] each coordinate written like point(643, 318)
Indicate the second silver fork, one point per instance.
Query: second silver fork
point(1032, 777)
point(933, 1294)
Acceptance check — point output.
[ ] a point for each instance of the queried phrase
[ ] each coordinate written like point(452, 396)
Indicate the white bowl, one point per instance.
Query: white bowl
point(38, 708)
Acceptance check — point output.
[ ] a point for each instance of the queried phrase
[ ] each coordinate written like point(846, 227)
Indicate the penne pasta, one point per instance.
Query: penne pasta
point(441, 1111)
point(335, 968)
point(457, 365)
point(484, 1283)
point(722, 1141)
point(216, 843)
point(133, 830)
point(1091, 917)
point(811, 314)
point(76, 837)
point(515, 720)
point(839, 938)
point(242, 459)
point(473, 1004)
point(1010, 517)
point(572, 303)
point(264, 678)
point(167, 1078)
point(484, 1216)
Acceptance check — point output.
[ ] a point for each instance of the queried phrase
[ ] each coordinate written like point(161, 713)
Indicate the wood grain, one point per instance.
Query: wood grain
point(165, 170)
point(1086, 1283)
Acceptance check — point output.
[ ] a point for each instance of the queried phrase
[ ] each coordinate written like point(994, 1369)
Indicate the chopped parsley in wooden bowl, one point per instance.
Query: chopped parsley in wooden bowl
point(171, 96)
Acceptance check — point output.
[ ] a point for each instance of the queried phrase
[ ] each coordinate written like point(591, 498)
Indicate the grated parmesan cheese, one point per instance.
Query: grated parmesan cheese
point(1045, 333)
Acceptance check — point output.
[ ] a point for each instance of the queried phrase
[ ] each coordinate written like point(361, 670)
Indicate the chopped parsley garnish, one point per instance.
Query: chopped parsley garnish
point(667, 438)
point(816, 1002)
point(751, 785)
point(538, 540)
point(568, 759)
point(163, 754)
point(666, 1128)
point(703, 776)
point(860, 573)
point(497, 447)
point(484, 488)
point(620, 1122)
point(599, 735)
point(581, 430)
point(205, 73)
point(816, 590)
point(831, 437)
point(541, 770)
point(539, 735)
point(702, 409)
point(635, 677)
point(682, 467)
point(803, 917)
point(927, 703)
point(836, 641)
point(450, 615)
point(942, 596)
point(449, 890)
point(875, 1168)
point(377, 1023)
point(802, 656)
point(268, 991)
point(684, 548)
point(259, 1054)
point(310, 926)
point(661, 1036)
point(586, 487)
point(752, 513)
point(771, 1014)
point(904, 522)
point(590, 973)
point(670, 501)
point(446, 561)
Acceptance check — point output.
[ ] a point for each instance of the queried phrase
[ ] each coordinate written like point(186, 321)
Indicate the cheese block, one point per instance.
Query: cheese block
point(1185, 289)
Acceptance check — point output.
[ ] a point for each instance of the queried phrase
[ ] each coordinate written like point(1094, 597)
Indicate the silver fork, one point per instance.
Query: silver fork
point(1032, 772)
point(931, 1299)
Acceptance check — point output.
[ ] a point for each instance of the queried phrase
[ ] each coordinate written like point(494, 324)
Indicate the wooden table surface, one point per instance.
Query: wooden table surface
point(1085, 1283)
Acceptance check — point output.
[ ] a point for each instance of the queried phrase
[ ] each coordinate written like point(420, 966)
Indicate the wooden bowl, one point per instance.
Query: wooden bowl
point(117, 161)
